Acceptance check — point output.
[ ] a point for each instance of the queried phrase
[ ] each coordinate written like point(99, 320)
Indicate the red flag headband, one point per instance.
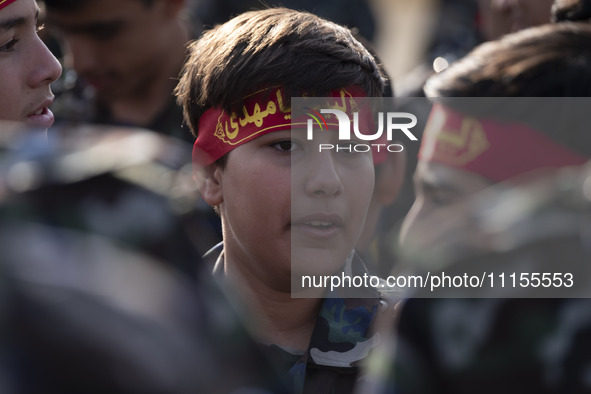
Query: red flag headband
point(490, 148)
point(4, 3)
point(263, 112)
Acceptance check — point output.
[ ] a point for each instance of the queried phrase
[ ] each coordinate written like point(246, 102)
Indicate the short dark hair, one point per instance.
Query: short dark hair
point(571, 11)
point(74, 5)
point(277, 46)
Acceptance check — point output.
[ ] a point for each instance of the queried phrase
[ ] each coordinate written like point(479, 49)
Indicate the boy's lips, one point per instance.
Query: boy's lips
point(41, 117)
point(319, 225)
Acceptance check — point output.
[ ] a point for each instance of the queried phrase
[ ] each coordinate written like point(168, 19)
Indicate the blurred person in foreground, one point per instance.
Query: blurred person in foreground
point(122, 60)
point(94, 223)
point(501, 189)
point(530, 331)
point(498, 139)
point(27, 67)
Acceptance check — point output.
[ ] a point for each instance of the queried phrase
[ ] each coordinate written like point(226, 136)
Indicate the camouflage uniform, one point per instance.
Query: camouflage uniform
point(529, 344)
point(344, 335)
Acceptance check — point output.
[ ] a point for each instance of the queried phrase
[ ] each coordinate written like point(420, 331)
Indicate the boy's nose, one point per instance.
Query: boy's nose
point(324, 179)
point(47, 69)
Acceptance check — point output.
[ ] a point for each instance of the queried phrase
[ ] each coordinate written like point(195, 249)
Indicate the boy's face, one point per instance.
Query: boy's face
point(281, 198)
point(26, 67)
point(116, 46)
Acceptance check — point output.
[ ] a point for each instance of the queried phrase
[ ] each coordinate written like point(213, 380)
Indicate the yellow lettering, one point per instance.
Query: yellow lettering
point(284, 109)
point(459, 140)
point(232, 134)
point(257, 116)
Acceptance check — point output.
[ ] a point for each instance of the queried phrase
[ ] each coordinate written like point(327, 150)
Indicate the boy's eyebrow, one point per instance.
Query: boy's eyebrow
point(13, 22)
point(8, 24)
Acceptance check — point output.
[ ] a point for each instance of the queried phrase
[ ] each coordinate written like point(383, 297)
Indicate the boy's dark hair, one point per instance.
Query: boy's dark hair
point(276, 46)
point(74, 5)
point(571, 11)
point(546, 62)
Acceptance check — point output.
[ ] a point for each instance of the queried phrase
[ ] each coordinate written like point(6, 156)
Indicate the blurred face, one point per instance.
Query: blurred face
point(500, 17)
point(26, 67)
point(116, 46)
point(438, 186)
point(282, 199)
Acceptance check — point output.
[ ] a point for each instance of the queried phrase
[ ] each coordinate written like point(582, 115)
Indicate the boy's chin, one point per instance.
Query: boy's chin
point(313, 261)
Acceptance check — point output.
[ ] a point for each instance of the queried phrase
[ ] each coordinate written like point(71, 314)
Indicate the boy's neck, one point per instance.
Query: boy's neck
point(278, 319)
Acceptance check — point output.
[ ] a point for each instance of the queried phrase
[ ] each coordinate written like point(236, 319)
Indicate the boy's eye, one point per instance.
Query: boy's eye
point(285, 146)
point(9, 46)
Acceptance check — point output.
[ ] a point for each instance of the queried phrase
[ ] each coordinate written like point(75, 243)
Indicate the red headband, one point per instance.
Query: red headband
point(4, 3)
point(264, 111)
point(495, 150)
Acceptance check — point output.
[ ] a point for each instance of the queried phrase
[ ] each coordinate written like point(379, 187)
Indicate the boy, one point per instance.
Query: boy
point(26, 66)
point(122, 60)
point(282, 203)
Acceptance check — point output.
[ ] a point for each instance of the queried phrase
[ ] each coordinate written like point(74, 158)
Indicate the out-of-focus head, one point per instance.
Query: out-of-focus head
point(27, 67)
point(500, 17)
point(116, 46)
point(505, 132)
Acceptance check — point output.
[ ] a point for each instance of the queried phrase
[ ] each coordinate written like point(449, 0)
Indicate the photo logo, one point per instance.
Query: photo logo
point(316, 118)
point(389, 123)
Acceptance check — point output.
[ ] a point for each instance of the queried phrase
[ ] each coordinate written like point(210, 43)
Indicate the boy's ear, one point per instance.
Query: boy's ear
point(210, 184)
